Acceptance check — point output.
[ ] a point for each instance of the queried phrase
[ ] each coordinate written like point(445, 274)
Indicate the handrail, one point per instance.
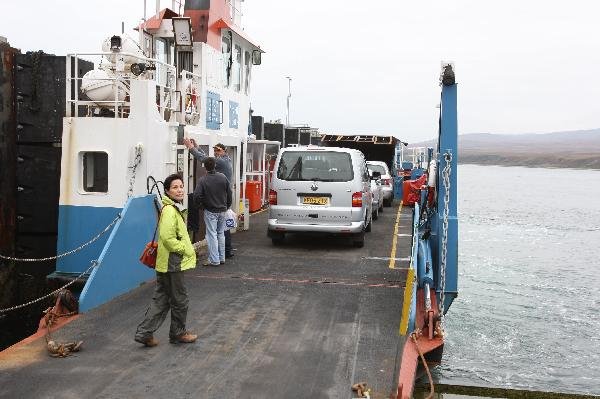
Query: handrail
point(163, 74)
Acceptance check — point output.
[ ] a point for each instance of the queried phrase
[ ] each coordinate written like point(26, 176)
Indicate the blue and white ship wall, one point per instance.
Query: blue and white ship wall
point(98, 155)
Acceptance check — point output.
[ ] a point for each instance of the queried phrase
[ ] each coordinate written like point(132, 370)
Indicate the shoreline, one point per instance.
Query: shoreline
point(541, 166)
point(550, 161)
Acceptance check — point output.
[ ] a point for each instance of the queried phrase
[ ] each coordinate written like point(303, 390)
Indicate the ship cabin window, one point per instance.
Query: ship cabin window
point(147, 45)
point(247, 63)
point(95, 172)
point(164, 52)
point(226, 51)
point(237, 68)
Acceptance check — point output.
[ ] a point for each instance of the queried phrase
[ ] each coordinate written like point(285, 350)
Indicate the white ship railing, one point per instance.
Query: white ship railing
point(163, 75)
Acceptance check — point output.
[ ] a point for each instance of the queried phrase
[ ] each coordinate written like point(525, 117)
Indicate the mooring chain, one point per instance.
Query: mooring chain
point(23, 305)
point(136, 162)
point(79, 248)
point(446, 178)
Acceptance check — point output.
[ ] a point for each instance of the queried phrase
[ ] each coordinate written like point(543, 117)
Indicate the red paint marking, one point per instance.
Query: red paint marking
point(410, 355)
point(303, 281)
point(410, 361)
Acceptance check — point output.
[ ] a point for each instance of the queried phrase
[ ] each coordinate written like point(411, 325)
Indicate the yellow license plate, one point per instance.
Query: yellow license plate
point(315, 200)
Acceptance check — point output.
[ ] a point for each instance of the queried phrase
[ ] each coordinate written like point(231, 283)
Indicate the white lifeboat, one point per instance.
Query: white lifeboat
point(102, 85)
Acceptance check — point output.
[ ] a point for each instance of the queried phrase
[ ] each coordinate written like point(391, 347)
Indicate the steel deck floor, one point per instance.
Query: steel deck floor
point(305, 320)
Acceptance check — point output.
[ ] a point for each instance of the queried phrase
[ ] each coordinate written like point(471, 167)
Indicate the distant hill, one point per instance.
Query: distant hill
point(573, 149)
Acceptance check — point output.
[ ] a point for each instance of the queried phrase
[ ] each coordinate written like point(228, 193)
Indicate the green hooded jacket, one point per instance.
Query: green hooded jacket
point(175, 250)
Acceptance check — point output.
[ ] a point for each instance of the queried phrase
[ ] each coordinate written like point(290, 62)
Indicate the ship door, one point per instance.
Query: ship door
point(196, 224)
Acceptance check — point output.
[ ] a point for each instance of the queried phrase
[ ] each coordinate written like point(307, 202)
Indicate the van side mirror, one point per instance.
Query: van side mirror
point(255, 57)
point(375, 175)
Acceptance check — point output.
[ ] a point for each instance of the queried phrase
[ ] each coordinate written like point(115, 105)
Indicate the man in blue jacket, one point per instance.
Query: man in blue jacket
point(222, 165)
point(213, 193)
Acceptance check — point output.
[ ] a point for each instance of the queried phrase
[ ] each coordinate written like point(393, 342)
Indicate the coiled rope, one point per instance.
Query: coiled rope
point(23, 305)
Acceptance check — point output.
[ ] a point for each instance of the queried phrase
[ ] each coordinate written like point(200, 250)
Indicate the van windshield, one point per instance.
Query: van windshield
point(321, 166)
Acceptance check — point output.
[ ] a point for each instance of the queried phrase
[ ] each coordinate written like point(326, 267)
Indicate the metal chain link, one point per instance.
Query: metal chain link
point(446, 178)
point(79, 248)
point(94, 264)
point(136, 162)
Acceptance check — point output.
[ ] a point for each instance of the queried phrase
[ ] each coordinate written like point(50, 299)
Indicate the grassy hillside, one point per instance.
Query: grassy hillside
point(574, 149)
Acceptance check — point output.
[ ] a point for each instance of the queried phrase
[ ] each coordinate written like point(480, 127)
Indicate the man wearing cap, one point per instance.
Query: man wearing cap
point(213, 192)
point(223, 165)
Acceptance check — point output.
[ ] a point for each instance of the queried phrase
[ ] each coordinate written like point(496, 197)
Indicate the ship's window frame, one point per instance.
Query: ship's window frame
point(237, 68)
point(94, 172)
point(247, 69)
point(148, 44)
point(164, 48)
point(164, 51)
point(226, 48)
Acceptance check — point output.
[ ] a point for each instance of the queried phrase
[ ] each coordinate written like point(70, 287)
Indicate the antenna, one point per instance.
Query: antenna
point(287, 119)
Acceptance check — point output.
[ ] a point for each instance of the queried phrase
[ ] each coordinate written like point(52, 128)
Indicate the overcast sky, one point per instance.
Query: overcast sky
point(373, 66)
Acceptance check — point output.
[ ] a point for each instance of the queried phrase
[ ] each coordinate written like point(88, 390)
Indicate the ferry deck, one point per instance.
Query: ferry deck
point(303, 320)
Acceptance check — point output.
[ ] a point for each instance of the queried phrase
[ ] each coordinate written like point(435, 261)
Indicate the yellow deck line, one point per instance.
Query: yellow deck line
point(257, 212)
point(395, 239)
point(408, 290)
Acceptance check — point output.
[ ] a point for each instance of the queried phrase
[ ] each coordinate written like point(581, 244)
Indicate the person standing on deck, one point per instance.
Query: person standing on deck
point(213, 193)
point(175, 255)
point(223, 165)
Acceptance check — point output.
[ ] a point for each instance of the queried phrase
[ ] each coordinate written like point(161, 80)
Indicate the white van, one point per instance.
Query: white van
point(320, 189)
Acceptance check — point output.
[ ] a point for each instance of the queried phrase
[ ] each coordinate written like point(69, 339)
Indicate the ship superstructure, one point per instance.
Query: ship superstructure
point(188, 75)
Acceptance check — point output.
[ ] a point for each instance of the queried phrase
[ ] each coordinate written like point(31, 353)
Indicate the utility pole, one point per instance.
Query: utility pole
point(287, 118)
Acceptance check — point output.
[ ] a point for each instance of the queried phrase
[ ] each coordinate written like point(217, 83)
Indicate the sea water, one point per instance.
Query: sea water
point(528, 311)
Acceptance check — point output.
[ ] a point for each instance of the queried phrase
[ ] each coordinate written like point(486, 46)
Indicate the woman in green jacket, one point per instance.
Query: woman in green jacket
point(175, 255)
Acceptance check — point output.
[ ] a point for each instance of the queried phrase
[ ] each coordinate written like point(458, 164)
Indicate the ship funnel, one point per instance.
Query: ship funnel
point(198, 11)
